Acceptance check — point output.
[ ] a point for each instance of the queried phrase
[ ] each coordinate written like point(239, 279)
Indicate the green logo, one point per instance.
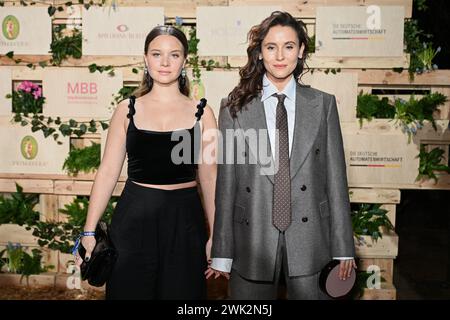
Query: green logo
point(10, 27)
point(29, 147)
point(197, 89)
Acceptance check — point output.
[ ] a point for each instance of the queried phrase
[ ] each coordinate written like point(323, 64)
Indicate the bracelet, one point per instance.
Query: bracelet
point(77, 241)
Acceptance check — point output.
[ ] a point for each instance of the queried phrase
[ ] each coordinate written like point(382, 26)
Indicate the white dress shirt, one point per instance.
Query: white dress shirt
point(270, 109)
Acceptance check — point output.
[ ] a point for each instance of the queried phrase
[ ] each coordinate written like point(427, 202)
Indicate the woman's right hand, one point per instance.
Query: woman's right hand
point(88, 242)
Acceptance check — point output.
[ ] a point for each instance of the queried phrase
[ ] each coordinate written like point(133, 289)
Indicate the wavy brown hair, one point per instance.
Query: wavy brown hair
point(252, 73)
point(146, 84)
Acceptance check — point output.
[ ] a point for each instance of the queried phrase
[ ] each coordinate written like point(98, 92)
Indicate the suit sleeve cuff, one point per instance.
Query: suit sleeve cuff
point(222, 264)
point(343, 258)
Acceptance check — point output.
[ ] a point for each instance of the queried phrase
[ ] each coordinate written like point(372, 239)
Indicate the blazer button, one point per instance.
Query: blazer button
point(304, 219)
point(317, 151)
point(246, 221)
point(303, 188)
point(248, 189)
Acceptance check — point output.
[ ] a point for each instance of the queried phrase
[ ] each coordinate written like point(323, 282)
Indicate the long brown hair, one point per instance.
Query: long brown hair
point(252, 73)
point(146, 84)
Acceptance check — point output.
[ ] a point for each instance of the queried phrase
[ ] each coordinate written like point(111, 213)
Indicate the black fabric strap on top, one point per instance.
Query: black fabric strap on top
point(200, 108)
point(131, 109)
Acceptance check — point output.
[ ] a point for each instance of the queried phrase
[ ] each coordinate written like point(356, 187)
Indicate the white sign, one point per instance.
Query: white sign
point(223, 30)
point(78, 93)
point(118, 32)
point(25, 30)
point(362, 31)
point(30, 152)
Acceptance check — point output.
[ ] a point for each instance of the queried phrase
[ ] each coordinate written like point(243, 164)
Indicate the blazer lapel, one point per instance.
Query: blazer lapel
point(307, 122)
point(253, 117)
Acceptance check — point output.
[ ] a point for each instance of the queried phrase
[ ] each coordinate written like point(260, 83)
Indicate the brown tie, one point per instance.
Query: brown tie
point(282, 183)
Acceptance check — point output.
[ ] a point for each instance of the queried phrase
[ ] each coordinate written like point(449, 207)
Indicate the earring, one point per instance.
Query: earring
point(147, 77)
point(183, 78)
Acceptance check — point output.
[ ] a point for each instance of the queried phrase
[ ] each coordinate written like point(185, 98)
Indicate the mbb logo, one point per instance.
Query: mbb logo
point(82, 88)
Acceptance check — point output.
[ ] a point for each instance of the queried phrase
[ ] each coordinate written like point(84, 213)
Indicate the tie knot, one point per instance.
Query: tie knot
point(280, 97)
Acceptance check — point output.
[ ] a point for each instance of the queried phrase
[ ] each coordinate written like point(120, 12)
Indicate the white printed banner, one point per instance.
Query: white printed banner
point(223, 30)
point(25, 30)
point(72, 92)
point(362, 31)
point(30, 152)
point(118, 32)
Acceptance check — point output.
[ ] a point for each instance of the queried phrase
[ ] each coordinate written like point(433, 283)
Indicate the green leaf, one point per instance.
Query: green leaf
point(92, 68)
point(104, 125)
point(51, 10)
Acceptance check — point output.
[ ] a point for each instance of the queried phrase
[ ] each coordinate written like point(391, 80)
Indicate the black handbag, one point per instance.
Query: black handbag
point(330, 283)
point(101, 263)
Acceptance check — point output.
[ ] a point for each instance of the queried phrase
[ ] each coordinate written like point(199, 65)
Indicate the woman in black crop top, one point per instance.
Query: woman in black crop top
point(158, 226)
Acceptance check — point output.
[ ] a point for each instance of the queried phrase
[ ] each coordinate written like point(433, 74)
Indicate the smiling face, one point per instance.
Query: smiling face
point(280, 50)
point(165, 59)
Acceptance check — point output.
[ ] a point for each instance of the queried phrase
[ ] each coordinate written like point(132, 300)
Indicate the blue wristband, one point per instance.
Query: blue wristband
point(77, 241)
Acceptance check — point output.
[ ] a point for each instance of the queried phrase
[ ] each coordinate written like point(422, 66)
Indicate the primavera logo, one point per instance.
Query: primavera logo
point(10, 27)
point(29, 147)
point(197, 89)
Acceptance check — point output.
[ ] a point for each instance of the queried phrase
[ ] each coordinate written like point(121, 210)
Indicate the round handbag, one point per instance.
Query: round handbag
point(330, 283)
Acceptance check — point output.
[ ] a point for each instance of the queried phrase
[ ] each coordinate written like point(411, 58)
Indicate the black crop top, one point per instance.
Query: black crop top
point(150, 152)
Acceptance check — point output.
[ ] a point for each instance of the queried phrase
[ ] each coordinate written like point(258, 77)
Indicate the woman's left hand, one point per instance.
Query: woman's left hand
point(346, 268)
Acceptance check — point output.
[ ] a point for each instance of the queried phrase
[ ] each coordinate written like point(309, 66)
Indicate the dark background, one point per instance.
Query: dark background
point(435, 20)
point(422, 268)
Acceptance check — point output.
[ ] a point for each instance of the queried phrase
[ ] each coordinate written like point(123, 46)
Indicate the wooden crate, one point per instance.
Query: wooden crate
point(389, 198)
point(385, 247)
point(43, 279)
point(386, 292)
point(378, 154)
point(386, 266)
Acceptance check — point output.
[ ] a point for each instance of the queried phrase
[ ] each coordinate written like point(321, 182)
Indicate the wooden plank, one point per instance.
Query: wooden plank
point(343, 62)
point(187, 8)
point(360, 195)
point(62, 201)
point(80, 143)
point(33, 176)
point(386, 292)
point(302, 9)
point(49, 207)
point(172, 8)
point(85, 60)
point(81, 188)
point(64, 262)
point(43, 279)
point(28, 185)
point(16, 234)
point(389, 77)
point(386, 247)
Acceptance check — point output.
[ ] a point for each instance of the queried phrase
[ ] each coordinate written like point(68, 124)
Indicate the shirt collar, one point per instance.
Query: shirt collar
point(269, 89)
